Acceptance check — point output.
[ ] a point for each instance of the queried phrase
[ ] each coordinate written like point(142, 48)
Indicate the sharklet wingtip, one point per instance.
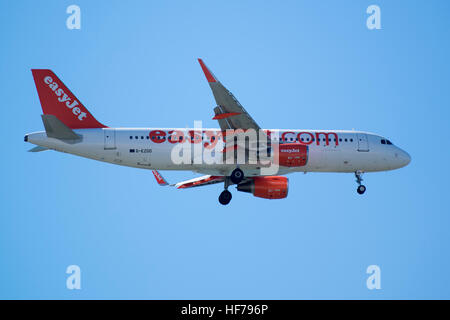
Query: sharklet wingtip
point(208, 74)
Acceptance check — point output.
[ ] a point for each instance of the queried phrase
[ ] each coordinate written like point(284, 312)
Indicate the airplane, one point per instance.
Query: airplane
point(268, 154)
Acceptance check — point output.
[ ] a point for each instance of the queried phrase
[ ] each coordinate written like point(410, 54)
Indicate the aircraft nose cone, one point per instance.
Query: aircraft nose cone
point(404, 158)
point(407, 158)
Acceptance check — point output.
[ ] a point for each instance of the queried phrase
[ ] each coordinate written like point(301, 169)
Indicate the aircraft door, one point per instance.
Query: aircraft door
point(363, 143)
point(109, 138)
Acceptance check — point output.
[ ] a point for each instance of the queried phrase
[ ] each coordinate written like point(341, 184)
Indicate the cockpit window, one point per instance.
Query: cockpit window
point(383, 141)
point(388, 142)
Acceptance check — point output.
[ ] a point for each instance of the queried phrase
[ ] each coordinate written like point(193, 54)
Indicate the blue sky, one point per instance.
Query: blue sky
point(294, 64)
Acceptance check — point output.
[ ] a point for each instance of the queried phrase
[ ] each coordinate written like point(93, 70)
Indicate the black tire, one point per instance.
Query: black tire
point(225, 197)
point(237, 176)
point(361, 189)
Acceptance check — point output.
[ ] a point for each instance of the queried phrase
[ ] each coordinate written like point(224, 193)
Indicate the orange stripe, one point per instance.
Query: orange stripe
point(225, 115)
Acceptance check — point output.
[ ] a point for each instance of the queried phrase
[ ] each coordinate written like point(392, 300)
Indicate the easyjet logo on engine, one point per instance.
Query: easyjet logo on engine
point(290, 150)
point(64, 98)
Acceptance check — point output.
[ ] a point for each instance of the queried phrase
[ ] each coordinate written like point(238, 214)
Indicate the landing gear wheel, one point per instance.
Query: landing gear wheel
point(237, 176)
point(225, 197)
point(361, 189)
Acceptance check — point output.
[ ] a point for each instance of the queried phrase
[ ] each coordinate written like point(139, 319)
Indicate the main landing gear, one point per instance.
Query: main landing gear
point(236, 177)
point(225, 196)
point(361, 188)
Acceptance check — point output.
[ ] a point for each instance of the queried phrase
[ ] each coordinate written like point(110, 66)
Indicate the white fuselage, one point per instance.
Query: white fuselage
point(342, 151)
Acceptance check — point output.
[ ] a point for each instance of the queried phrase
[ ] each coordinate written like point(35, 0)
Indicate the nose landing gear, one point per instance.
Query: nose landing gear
point(361, 188)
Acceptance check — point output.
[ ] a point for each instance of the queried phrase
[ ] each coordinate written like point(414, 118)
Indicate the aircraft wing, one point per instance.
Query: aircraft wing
point(196, 182)
point(229, 112)
point(231, 115)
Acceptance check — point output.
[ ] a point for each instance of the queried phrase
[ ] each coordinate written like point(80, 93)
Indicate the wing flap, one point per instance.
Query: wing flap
point(196, 182)
point(200, 181)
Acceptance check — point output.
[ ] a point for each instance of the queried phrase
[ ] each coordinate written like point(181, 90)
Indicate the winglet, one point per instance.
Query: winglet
point(209, 75)
point(159, 178)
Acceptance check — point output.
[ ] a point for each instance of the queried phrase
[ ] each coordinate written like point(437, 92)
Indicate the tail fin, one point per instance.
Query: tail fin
point(56, 99)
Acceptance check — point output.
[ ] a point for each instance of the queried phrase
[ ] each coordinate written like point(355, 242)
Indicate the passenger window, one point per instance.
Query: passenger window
point(131, 137)
point(136, 137)
point(345, 140)
point(147, 137)
point(351, 140)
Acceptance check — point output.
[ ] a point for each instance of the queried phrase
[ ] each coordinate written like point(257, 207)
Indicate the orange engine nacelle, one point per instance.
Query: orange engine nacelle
point(292, 155)
point(274, 187)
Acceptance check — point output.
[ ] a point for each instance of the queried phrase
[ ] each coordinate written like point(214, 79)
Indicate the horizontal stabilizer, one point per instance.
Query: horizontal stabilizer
point(58, 130)
point(37, 149)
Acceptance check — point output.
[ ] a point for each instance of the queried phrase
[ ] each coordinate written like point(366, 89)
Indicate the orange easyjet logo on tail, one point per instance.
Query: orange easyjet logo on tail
point(64, 98)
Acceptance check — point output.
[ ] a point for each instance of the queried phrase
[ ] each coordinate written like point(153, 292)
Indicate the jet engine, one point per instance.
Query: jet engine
point(273, 187)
